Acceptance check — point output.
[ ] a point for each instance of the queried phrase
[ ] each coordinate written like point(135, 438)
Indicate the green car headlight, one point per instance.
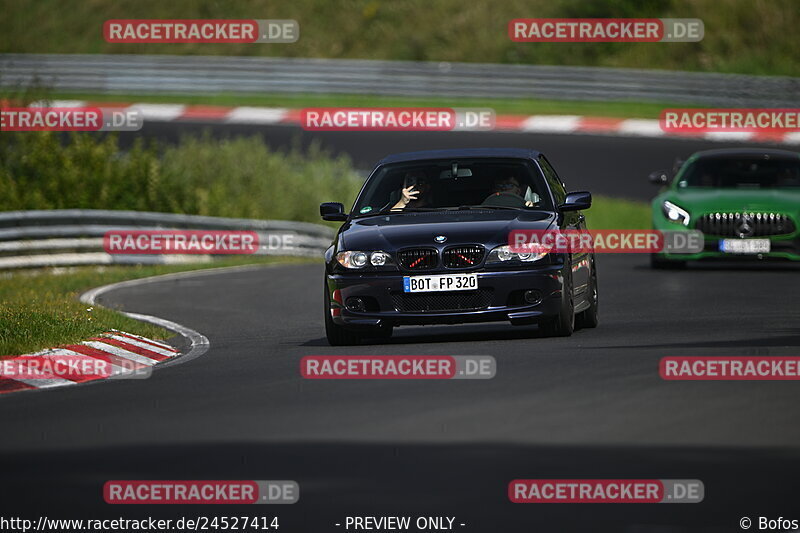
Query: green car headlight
point(675, 213)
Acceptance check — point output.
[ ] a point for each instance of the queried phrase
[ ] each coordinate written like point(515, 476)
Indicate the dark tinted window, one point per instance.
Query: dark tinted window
point(553, 180)
point(742, 172)
point(439, 190)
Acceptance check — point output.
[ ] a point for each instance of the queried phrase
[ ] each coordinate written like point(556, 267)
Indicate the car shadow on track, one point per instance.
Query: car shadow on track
point(456, 333)
point(757, 342)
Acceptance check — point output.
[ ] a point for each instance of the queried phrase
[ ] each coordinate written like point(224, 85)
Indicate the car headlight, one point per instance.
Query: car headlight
point(358, 259)
point(675, 214)
point(503, 254)
point(379, 258)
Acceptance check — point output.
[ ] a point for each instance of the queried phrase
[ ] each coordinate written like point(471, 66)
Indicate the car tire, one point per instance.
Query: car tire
point(563, 324)
point(588, 318)
point(336, 334)
point(659, 263)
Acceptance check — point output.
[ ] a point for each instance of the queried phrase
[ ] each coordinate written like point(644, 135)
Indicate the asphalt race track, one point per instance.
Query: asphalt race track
point(588, 406)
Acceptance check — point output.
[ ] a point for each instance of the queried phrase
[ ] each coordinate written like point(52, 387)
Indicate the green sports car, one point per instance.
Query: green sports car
point(745, 201)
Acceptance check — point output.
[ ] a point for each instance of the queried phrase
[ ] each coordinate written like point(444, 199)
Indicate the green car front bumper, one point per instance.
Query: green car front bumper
point(782, 247)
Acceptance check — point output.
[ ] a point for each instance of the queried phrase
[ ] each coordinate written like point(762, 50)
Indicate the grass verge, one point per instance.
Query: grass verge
point(615, 213)
point(40, 308)
point(501, 106)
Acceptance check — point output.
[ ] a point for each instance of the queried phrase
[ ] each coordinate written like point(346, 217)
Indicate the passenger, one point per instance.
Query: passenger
point(416, 191)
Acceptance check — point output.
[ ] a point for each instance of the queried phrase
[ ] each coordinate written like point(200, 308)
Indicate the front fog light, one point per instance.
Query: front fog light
point(532, 296)
point(355, 304)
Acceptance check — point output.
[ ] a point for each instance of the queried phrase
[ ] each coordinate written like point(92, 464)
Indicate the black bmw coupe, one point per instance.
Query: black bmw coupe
point(427, 242)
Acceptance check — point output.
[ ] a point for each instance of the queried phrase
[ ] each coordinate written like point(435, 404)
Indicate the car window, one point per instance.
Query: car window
point(742, 172)
point(555, 183)
point(495, 182)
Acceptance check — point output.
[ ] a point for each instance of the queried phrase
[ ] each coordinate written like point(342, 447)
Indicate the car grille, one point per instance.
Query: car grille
point(745, 224)
point(442, 301)
point(463, 256)
point(418, 258)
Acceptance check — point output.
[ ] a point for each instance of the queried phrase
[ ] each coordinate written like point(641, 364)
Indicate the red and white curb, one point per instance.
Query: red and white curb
point(122, 354)
point(563, 124)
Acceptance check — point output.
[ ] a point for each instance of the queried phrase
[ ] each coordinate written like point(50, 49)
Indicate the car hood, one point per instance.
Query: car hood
point(395, 231)
point(698, 201)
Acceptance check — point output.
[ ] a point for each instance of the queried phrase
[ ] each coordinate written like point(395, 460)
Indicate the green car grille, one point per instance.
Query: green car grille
point(745, 224)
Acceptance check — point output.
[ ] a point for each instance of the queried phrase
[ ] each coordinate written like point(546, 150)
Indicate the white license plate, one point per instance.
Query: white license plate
point(446, 282)
point(744, 246)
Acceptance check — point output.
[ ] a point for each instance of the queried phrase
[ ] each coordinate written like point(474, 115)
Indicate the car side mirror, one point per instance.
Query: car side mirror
point(659, 177)
point(577, 201)
point(333, 211)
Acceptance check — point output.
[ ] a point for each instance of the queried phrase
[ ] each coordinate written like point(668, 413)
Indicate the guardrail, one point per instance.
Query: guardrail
point(164, 74)
point(69, 237)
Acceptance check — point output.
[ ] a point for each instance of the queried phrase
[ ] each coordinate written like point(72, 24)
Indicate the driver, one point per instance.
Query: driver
point(507, 186)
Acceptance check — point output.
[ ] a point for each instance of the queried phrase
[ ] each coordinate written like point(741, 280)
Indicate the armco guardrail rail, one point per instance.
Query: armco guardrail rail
point(142, 74)
point(64, 237)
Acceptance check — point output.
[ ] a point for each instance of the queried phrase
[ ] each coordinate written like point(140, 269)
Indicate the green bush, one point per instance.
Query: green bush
point(239, 177)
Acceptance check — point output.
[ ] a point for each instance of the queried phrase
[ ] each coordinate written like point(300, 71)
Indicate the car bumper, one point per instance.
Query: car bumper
point(780, 249)
point(499, 297)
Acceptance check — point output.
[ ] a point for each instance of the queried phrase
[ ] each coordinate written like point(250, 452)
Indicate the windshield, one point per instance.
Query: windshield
point(742, 173)
point(495, 184)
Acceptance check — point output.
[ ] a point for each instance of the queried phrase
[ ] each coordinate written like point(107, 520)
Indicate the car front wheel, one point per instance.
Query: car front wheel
point(563, 324)
point(588, 318)
point(337, 335)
